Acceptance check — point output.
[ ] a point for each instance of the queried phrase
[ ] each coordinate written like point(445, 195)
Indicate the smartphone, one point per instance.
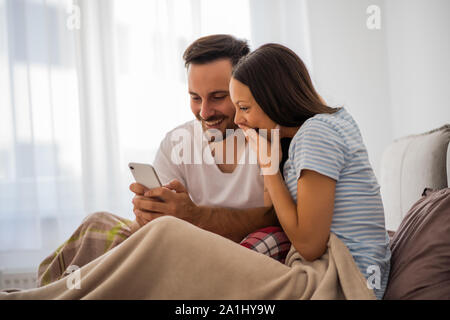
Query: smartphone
point(145, 174)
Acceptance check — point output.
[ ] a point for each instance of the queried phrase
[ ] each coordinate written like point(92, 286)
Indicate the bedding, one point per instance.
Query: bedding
point(101, 231)
point(171, 259)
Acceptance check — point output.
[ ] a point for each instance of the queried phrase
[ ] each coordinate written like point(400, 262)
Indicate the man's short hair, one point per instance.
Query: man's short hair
point(214, 47)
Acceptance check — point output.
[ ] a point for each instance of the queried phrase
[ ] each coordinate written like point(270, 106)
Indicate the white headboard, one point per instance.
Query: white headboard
point(408, 166)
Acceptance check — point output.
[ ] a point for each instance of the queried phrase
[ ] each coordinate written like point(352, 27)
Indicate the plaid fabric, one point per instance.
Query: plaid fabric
point(271, 241)
point(98, 233)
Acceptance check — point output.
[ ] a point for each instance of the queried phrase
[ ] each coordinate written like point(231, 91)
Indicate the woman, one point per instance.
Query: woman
point(327, 184)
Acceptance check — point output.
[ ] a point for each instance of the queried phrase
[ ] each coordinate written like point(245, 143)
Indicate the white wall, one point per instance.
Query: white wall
point(395, 81)
point(281, 21)
point(418, 42)
point(350, 67)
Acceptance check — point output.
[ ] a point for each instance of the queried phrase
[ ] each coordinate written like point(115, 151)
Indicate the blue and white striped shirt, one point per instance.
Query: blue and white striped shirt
point(331, 144)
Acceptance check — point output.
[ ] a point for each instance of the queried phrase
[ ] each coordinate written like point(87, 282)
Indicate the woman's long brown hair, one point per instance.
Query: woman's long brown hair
point(281, 85)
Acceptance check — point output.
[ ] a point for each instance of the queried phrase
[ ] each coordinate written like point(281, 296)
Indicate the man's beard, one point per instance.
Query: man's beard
point(222, 118)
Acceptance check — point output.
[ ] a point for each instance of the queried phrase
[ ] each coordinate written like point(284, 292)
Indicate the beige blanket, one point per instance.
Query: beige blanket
point(172, 259)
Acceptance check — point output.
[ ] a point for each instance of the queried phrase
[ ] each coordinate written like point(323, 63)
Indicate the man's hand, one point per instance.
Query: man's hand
point(139, 190)
point(171, 199)
point(142, 217)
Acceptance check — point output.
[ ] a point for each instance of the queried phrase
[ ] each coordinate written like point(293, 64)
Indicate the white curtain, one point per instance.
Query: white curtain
point(40, 181)
point(86, 87)
point(282, 21)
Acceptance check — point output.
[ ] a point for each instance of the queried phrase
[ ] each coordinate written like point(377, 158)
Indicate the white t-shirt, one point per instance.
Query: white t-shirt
point(206, 184)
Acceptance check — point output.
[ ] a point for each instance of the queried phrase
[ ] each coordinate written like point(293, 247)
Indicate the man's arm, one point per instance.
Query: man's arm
point(231, 223)
point(235, 224)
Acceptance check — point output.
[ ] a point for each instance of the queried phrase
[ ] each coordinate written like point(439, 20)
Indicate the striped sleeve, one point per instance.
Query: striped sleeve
point(318, 146)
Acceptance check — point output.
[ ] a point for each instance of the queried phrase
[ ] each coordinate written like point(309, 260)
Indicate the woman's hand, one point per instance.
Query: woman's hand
point(268, 153)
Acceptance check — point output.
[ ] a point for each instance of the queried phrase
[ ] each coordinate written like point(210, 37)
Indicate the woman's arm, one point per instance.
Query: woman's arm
point(267, 199)
point(308, 223)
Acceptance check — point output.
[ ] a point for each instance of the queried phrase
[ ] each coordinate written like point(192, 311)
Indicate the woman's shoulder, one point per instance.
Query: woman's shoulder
point(325, 124)
point(339, 119)
point(337, 129)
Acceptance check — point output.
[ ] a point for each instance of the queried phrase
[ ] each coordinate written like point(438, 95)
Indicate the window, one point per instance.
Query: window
point(77, 105)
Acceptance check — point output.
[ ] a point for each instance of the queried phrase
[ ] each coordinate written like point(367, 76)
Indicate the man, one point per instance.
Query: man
point(218, 190)
point(224, 197)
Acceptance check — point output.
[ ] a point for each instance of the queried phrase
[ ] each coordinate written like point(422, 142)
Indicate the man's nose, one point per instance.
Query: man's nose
point(206, 110)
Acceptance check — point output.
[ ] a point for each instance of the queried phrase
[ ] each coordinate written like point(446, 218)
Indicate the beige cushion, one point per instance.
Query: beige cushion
point(408, 166)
